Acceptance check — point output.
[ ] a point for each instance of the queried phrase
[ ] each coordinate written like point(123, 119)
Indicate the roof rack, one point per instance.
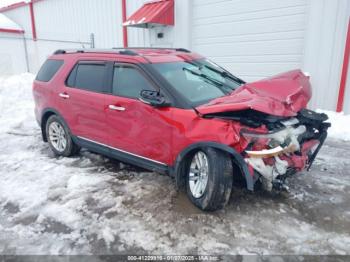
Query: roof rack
point(125, 51)
point(182, 50)
point(159, 48)
point(68, 51)
point(119, 50)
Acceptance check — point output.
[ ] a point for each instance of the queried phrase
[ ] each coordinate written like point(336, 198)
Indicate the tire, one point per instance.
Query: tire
point(69, 148)
point(218, 188)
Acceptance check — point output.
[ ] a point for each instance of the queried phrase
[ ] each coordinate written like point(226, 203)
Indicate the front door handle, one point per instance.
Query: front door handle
point(117, 108)
point(63, 95)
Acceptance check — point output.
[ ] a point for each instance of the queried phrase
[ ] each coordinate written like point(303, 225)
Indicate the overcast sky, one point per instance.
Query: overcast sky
point(8, 2)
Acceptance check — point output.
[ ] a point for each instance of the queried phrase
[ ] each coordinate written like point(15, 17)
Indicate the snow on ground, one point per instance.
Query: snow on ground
point(340, 128)
point(90, 204)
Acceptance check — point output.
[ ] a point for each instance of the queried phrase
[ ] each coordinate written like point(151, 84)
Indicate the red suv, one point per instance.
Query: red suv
point(175, 112)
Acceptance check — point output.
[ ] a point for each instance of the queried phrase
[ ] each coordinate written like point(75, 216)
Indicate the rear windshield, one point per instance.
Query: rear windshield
point(48, 70)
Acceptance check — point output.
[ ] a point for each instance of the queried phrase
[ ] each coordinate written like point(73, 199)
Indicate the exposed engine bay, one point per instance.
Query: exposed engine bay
point(289, 145)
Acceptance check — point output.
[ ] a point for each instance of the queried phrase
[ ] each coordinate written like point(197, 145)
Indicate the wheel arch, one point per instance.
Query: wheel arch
point(236, 157)
point(44, 117)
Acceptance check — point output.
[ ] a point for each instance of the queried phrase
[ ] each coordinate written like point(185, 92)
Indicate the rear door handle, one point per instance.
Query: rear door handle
point(63, 95)
point(117, 108)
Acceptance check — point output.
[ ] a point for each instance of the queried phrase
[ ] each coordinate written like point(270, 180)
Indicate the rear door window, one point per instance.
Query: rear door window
point(128, 81)
point(48, 70)
point(89, 76)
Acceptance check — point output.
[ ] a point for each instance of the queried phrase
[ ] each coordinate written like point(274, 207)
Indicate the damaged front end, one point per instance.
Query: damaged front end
point(289, 146)
point(279, 137)
point(282, 147)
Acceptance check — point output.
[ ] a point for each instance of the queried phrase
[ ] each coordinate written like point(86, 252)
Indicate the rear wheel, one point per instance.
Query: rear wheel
point(209, 179)
point(59, 137)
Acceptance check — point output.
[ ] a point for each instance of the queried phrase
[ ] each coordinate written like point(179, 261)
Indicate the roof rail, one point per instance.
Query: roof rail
point(123, 51)
point(59, 52)
point(161, 48)
point(62, 51)
point(182, 50)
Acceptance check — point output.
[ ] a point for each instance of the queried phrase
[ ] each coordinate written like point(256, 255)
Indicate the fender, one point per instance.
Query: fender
point(46, 112)
point(237, 158)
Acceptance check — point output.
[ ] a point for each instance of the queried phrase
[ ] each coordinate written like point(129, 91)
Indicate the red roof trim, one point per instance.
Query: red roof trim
point(344, 74)
point(125, 30)
point(16, 5)
point(14, 31)
point(13, 6)
point(153, 13)
point(32, 20)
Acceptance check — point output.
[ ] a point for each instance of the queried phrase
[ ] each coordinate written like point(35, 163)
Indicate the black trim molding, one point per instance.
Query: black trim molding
point(122, 155)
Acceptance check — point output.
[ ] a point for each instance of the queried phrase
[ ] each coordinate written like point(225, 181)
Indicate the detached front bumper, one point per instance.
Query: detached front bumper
point(299, 145)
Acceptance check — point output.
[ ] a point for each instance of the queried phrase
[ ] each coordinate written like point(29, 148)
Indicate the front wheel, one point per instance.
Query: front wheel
point(209, 179)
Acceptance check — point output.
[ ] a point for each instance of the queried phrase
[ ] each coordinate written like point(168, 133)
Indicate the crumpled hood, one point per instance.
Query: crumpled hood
point(282, 95)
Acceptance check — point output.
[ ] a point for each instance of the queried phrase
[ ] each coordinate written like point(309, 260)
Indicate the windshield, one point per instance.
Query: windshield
point(199, 81)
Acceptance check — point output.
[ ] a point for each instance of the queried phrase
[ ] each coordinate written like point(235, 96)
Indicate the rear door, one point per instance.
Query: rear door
point(134, 127)
point(82, 100)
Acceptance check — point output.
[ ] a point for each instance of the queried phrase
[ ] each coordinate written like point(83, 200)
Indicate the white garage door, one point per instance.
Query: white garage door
point(252, 39)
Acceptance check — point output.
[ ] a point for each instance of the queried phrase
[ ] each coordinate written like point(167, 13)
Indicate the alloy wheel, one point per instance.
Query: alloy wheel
point(198, 174)
point(57, 136)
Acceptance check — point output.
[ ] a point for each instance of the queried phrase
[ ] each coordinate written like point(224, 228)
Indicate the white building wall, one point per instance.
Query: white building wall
point(21, 16)
point(253, 39)
point(324, 49)
point(12, 54)
point(62, 24)
point(76, 20)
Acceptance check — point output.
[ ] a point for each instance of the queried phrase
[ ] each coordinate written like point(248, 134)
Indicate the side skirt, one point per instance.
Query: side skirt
point(122, 155)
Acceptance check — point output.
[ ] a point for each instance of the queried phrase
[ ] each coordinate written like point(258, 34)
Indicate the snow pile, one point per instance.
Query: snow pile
point(16, 103)
point(340, 128)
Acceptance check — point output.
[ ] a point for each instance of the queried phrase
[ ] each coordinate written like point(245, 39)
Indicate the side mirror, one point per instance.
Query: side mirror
point(153, 98)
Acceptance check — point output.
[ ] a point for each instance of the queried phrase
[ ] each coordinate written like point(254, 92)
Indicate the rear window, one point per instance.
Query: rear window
point(48, 70)
point(88, 76)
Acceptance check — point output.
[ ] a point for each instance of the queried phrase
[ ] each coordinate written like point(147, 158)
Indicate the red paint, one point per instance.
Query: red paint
point(14, 31)
point(140, 129)
point(125, 30)
point(32, 20)
point(84, 113)
point(156, 12)
point(284, 95)
point(344, 73)
point(299, 161)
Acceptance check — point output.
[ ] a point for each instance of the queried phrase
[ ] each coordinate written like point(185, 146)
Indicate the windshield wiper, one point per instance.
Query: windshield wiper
point(225, 74)
point(223, 87)
point(200, 74)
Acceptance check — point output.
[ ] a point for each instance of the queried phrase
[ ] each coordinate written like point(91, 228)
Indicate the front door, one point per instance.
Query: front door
point(134, 127)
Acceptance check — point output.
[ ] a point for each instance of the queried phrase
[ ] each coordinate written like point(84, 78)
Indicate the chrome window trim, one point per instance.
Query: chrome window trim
point(123, 151)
